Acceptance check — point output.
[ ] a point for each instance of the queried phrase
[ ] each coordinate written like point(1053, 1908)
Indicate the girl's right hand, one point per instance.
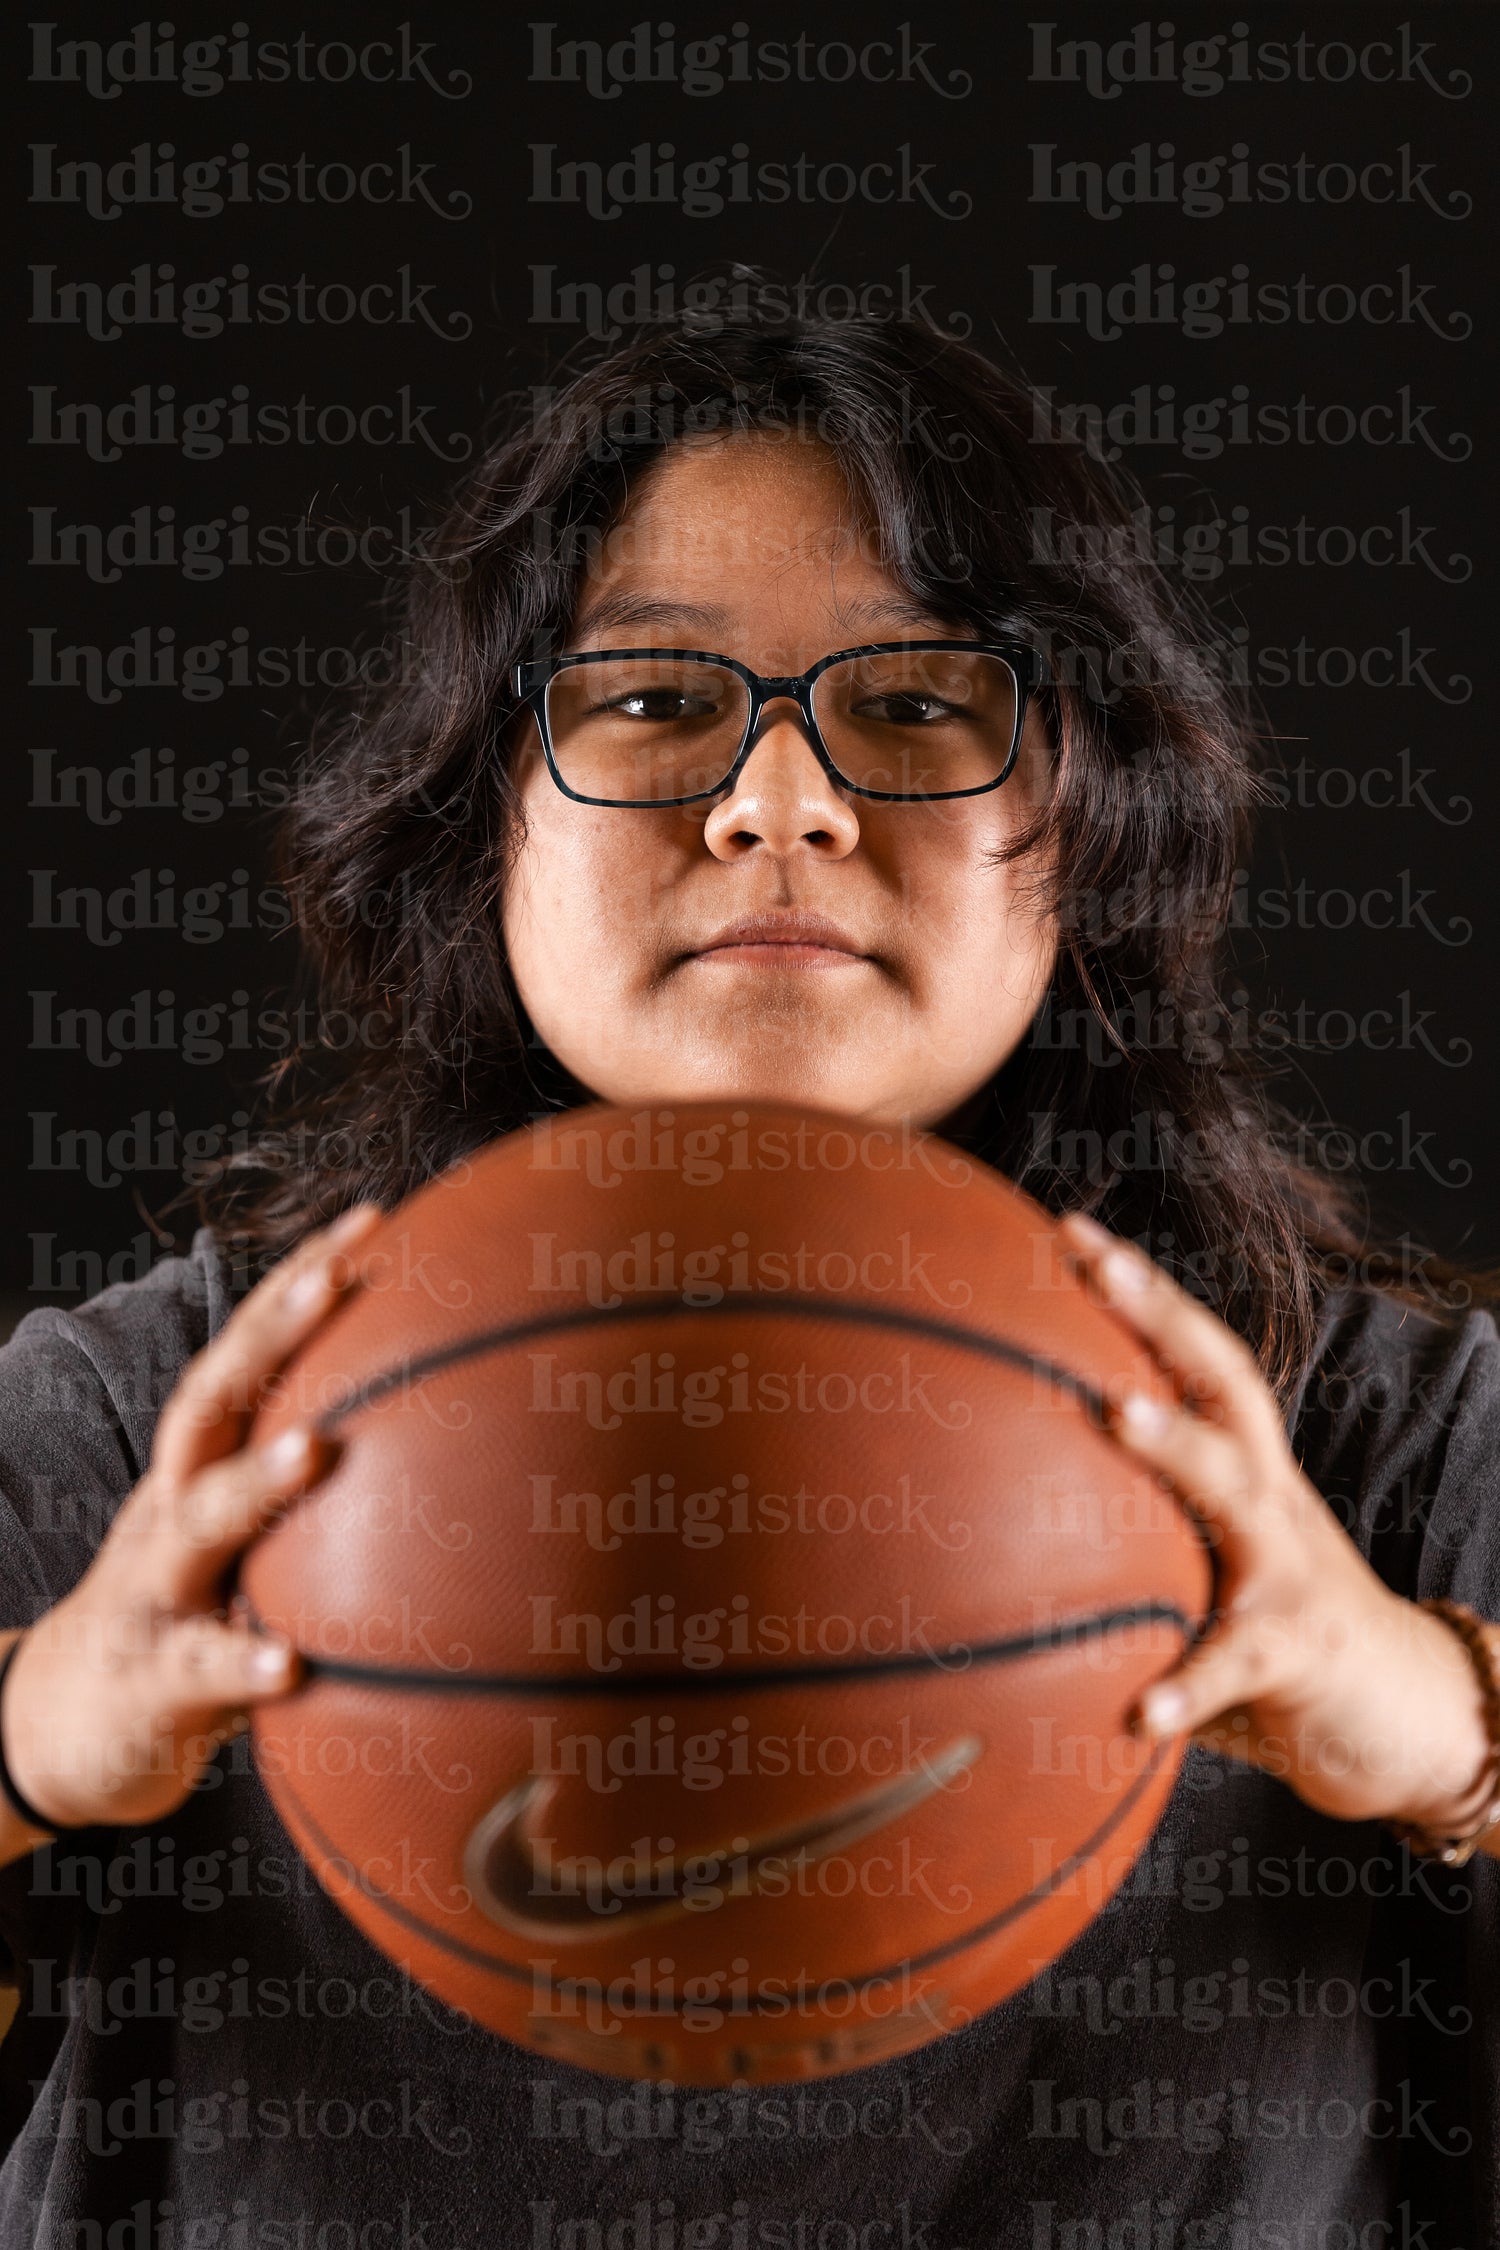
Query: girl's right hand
point(123, 1690)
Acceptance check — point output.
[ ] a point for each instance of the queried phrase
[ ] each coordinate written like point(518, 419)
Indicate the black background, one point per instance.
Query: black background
point(1396, 1056)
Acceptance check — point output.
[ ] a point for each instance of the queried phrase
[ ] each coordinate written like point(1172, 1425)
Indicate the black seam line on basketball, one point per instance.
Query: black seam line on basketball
point(961, 1657)
point(670, 2003)
point(667, 1308)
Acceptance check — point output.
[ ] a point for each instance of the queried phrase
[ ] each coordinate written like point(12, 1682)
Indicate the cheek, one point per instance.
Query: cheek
point(580, 897)
point(964, 908)
point(995, 934)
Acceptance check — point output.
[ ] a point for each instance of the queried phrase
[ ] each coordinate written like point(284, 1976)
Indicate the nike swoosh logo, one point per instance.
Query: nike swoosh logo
point(514, 1878)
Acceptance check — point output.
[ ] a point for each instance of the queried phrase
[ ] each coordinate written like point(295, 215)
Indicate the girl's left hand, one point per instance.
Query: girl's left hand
point(1312, 1669)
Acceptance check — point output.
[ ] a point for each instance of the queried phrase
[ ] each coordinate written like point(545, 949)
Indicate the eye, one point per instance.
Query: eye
point(908, 709)
point(658, 703)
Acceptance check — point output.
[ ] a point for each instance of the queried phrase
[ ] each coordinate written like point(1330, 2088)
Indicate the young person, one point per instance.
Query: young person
point(1283, 2029)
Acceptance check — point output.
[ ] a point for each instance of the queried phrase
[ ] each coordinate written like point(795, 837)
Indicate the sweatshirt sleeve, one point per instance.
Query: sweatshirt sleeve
point(1399, 1429)
point(80, 1394)
point(1460, 1554)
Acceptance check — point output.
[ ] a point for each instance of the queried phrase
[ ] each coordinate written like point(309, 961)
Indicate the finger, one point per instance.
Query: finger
point(212, 1404)
point(1212, 1368)
point(168, 1704)
point(196, 1529)
point(1235, 1663)
point(205, 1673)
point(1207, 1468)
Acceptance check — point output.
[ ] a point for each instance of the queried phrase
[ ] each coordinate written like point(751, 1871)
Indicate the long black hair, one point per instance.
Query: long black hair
point(1136, 1094)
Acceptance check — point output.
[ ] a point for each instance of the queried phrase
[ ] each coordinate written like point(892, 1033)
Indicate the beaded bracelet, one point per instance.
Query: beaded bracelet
point(1456, 1851)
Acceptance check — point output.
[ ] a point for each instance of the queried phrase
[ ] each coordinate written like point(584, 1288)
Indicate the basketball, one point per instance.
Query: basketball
point(720, 1621)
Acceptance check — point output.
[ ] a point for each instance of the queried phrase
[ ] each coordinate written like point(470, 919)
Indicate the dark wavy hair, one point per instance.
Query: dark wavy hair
point(1136, 1094)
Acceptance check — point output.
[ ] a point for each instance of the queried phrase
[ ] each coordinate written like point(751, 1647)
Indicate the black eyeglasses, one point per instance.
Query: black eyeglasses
point(893, 720)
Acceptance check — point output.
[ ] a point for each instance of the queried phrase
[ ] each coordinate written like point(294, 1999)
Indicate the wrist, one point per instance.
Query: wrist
point(17, 1798)
point(1460, 1785)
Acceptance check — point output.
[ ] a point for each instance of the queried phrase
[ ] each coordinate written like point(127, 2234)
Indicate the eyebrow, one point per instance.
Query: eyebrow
point(621, 608)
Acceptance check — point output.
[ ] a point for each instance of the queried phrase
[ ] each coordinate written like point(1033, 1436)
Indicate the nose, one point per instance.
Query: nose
point(782, 797)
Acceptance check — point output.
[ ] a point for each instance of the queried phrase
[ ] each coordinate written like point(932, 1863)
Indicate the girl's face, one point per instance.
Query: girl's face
point(613, 918)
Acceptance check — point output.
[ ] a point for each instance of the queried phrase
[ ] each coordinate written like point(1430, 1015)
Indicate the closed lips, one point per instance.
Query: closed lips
point(799, 930)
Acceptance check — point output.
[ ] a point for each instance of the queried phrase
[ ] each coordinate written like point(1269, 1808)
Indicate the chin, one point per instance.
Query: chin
point(801, 1091)
point(767, 1062)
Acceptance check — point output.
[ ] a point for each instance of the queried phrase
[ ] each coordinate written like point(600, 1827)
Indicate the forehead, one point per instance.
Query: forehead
point(747, 519)
point(743, 502)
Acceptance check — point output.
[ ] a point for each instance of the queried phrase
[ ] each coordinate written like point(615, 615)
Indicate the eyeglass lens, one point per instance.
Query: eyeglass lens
point(903, 722)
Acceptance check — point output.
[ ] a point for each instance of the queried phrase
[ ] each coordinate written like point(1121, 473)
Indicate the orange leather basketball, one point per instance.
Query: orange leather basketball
point(721, 1619)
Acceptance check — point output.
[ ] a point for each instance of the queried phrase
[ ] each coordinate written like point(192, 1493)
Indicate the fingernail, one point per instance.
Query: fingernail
point(288, 1451)
point(1120, 1271)
point(1162, 1710)
point(1143, 1415)
point(309, 1287)
point(350, 1221)
point(1086, 1229)
point(270, 1659)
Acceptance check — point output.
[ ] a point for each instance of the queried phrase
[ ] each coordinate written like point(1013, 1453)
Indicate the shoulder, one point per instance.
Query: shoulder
point(1398, 1425)
point(81, 1390)
point(130, 1342)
